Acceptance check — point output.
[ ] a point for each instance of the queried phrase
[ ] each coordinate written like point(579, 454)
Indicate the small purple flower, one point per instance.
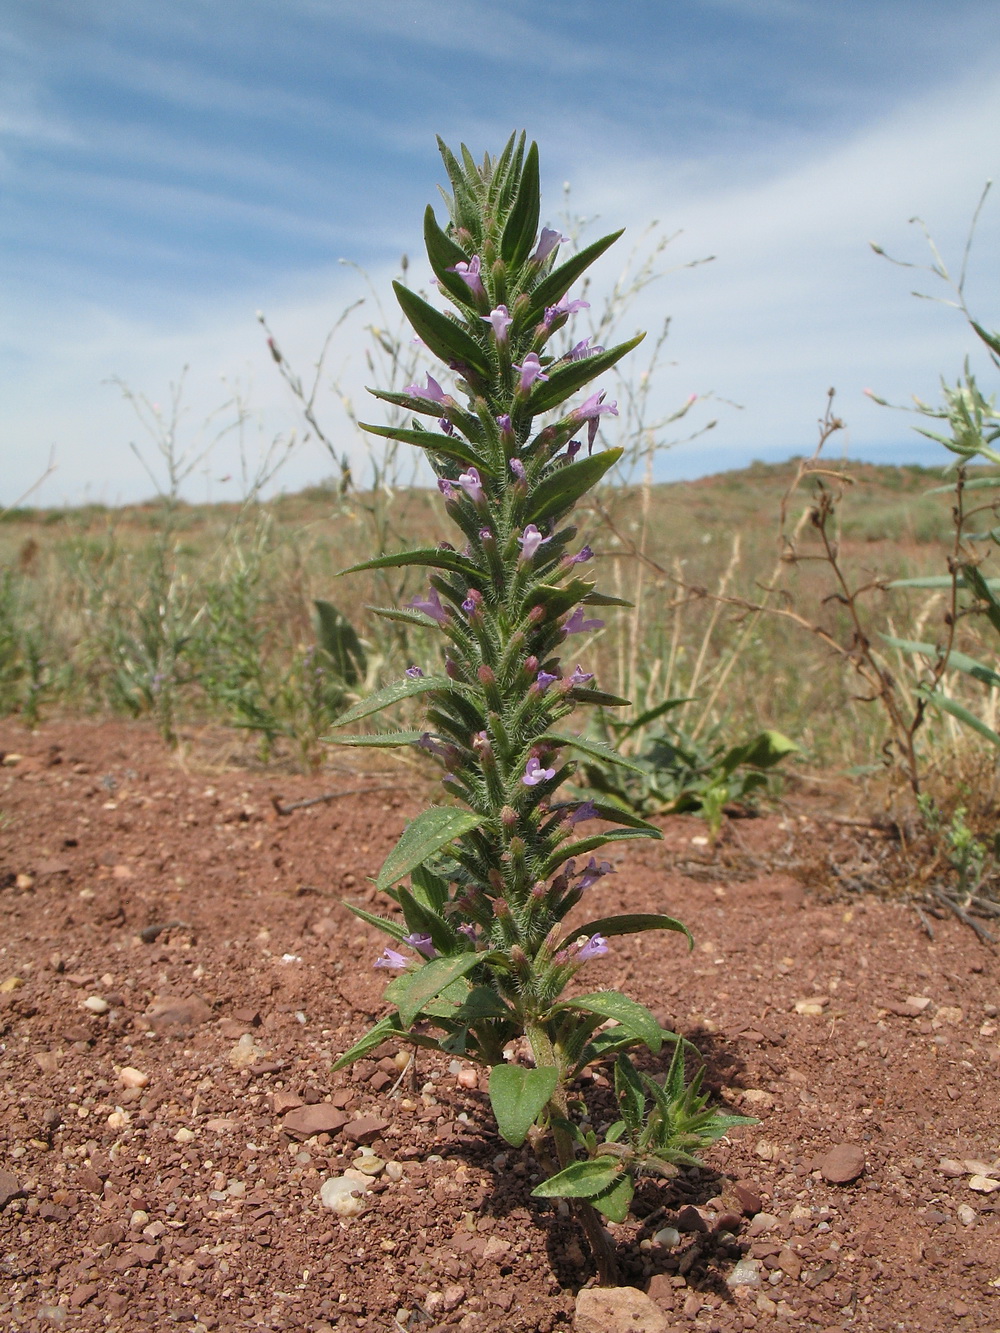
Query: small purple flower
point(433, 391)
point(580, 677)
point(544, 679)
point(485, 535)
point(530, 542)
point(431, 606)
point(590, 410)
point(584, 554)
point(586, 949)
point(428, 743)
point(468, 931)
point(578, 625)
point(583, 349)
point(501, 321)
point(547, 242)
point(563, 307)
point(469, 273)
point(422, 944)
point(572, 449)
point(593, 872)
point(472, 484)
point(517, 467)
point(531, 370)
point(588, 810)
point(390, 958)
point(446, 426)
point(446, 488)
point(469, 606)
point(534, 773)
point(503, 421)
point(414, 672)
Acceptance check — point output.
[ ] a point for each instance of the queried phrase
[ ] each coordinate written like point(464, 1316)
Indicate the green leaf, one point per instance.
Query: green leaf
point(984, 591)
point(561, 489)
point(373, 1038)
point(445, 254)
point(962, 713)
point(596, 749)
point(393, 694)
point(614, 1202)
point(992, 340)
point(603, 700)
point(423, 555)
point(482, 1002)
point(605, 599)
point(549, 393)
point(518, 1097)
point(421, 986)
point(340, 642)
point(522, 222)
point(632, 923)
point(764, 751)
point(623, 815)
point(448, 446)
point(937, 581)
point(395, 929)
point(634, 1017)
point(581, 1180)
point(432, 830)
point(584, 845)
point(630, 1094)
point(386, 740)
point(561, 279)
point(445, 338)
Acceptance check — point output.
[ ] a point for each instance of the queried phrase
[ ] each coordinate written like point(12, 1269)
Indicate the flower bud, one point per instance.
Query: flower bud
point(536, 615)
point(508, 817)
point(496, 880)
point(531, 665)
point(486, 676)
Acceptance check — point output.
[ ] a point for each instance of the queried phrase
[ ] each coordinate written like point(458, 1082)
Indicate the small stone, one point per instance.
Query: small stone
point(748, 1196)
point(10, 985)
point(667, 1237)
point(9, 1189)
point(184, 1135)
point(951, 1169)
point(369, 1164)
point(983, 1184)
point(761, 1223)
point(745, 1274)
point(343, 1196)
point(132, 1078)
point(842, 1164)
point(496, 1249)
point(452, 1297)
point(966, 1214)
point(617, 1310)
point(756, 1099)
point(467, 1078)
point(220, 1125)
point(246, 1052)
point(690, 1219)
point(81, 1295)
point(321, 1118)
point(86, 1179)
point(790, 1263)
point(138, 1220)
point(948, 1014)
point(167, 1011)
point(118, 1118)
point(364, 1129)
point(25, 882)
point(394, 1170)
point(978, 1168)
point(96, 1004)
point(282, 1101)
point(813, 1006)
point(55, 1314)
point(919, 1002)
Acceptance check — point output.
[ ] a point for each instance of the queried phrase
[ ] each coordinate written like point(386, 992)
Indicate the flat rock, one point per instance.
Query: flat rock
point(322, 1118)
point(362, 1130)
point(617, 1310)
point(9, 1188)
point(842, 1164)
point(167, 1011)
point(749, 1197)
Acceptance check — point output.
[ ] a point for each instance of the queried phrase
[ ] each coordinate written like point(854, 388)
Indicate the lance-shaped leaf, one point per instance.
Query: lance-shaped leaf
point(424, 920)
point(394, 928)
point(431, 831)
point(414, 990)
point(373, 1038)
point(635, 1018)
point(614, 1202)
point(992, 340)
point(380, 740)
point(963, 714)
point(620, 814)
point(956, 660)
point(567, 379)
point(631, 923)
point(445, 254)
point(442, 335)
point(392, 694)
point(938, 581)
point(423, 555)
point(447, 446)
point(596, 750)
point(465, 421)
point(591, 844)
point(984, 591)
point(518, 1097)
point(340, 641)
point(606, 599)
point(600, 697)
point(560, 490)
point(522, 221)
point(561, 279)
point(582, 1180)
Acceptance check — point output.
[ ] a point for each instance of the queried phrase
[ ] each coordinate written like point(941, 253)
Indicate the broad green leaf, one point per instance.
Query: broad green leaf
point(393, 694)
point(582, 1180)
point(596, 749)
point(443, 336)
point(448, 446)
point(584, 845)
point(519, 230)
point(560, 490)
point(424, 555)
point(432, 830)
point(567, 379)
point(482, 1002)
point(561, 279)
point(614, 1202)
point(518, 1097)
point(962, 713)
point(373, 1038)
point(429, 887)
point(764, 751)
point(430, 980)
point(632, 923)
point(636, 1018)
point(380, 740)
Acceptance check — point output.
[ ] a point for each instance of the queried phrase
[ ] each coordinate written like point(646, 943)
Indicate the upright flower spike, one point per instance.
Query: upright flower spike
point(494, 868)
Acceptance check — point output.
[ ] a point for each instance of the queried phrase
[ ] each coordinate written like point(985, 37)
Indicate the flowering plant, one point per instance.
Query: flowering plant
point(481, 947)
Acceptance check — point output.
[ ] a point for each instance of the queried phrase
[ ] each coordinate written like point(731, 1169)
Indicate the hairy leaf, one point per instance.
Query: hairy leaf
point(581, 1180)
point(518, 1097)
point(432, 830)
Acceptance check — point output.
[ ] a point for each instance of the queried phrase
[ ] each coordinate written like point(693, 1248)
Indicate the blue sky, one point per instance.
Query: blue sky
point(168, 169)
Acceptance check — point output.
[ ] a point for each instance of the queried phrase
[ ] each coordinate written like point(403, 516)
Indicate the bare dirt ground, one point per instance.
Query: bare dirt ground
point(177, 973)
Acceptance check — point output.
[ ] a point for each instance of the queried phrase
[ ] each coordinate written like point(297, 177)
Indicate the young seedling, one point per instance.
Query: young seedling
point(481, 947)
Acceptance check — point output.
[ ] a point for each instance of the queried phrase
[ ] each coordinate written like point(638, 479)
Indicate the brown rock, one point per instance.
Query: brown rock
point(89, 1180)
point(661, 1290)
point(842, 1164)
point(323, 1118)
point(81, 1295)
point(749, 1197)
point(9, 1189)
point(617, 1310)
point(109, 1234)
point(286, 1101)
point(790, 1263)
point(365, 1128)
point(175, 1011)
point(690, 1219)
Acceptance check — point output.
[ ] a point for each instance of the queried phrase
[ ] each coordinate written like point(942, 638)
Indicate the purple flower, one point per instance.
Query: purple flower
point(563, 307)
point(572, 449)
point(431, 606)
point(590, 410)
point(485, 535)
point(517, 467)
point(530, 542)
point(547, 242)
point(593, 872)
point(584, 554)
point(472, 484)
point(446, 488)
point(531, 370)
point(433, 391)
point(534, 773)
point(422, 944)
point(468, 931)
point(503, 421)
point(501, 321)
point(469, 606)
point(586, 949)
point(469, 273)
point(390, 958)
point(578, 625)
point(544, 679)
point(446, 426)
point(580, 677)
point(583, 349)
point(414, 672)
point(588, 810)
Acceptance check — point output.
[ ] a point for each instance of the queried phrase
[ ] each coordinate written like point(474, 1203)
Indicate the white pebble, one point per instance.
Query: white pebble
point(139, 1219)
point(96, 1005)
point(668, 1237)
point(343, 1196)
point(394, 1170)
point(745, 1274)
point(184, 1135)
point(966, 1215)
point(132, 1078)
